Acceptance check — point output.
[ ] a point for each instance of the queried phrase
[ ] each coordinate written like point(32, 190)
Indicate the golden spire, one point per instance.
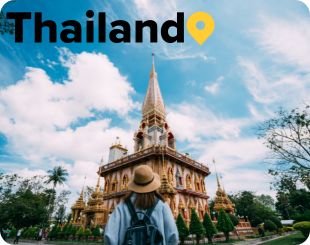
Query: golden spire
point(221, 200)
point(217, 178)
point(153, 101)
point(98, 184)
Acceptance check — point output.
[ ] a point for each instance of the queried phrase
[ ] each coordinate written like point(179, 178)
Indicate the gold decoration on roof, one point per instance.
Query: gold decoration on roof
point(95, 203)
point(165, 187)
point(222, 201)
point(79, 204)
point(153, 102)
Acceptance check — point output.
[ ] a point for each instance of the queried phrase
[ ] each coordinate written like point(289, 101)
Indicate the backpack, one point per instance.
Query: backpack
point(142, 231)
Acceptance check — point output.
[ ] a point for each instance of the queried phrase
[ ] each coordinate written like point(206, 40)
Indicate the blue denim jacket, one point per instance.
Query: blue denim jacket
point(119, 222)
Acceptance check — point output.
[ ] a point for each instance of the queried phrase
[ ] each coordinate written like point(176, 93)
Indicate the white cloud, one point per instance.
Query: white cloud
point(214, 87)
point(36, 115)
point(36, 112)
point(193, 123)
point(288, 41)
point(276, 87)
point(285, 81)
point(155, 10)
point(237, 180)
point(233, 153)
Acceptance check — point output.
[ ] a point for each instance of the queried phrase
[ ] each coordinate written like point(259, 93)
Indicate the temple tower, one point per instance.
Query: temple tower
point(182, 178)
point(77, 210)
point(221, 200)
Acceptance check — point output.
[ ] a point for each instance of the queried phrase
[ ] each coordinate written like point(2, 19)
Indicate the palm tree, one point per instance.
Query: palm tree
point(57, 175)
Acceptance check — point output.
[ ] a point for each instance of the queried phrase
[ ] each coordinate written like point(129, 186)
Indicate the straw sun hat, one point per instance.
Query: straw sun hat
point(144, 180)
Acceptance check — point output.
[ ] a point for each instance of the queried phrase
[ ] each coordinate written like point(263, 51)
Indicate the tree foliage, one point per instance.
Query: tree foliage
point(182, 228)
point(24, 201)
point(57, 175)
point(288, 138)
point(249, 206)
point(224, 224)
point(293, 204)
point(234, 219)
point(209, 227)
point(195, 227)
point(270, 226)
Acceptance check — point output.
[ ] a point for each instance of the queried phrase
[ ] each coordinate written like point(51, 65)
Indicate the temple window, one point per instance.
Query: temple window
point(179, 178)
point(170, 175)
point(197, 186)
point(139, 141)
point(106, 186)
point(171, 140)
point(114, 185)
point(125, 182)
point(188, 181)
point(203, 185)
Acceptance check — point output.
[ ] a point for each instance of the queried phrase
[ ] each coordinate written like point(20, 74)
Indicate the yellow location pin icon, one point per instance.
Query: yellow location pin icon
point(200, 35)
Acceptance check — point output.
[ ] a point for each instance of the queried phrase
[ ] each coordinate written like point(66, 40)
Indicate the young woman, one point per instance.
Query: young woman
point(143, 196)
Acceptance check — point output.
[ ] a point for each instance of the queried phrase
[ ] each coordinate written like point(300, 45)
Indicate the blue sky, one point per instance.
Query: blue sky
point(66, 103)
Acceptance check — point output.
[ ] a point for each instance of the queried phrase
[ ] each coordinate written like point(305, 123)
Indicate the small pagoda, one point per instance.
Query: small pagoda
point(77, 210)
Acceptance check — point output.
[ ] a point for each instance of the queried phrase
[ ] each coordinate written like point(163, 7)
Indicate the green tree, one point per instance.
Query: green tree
point(248, 206)
point(87, 233)
point(276, 221)
point(196, 228)
point(57, 175)
point(60, 215)
point(80, 233)
point(209, 227)
point(270, 226)
point(24, 208)
point(96, 232)
point(288, 138)
point(224, 224)
point(234, 219)
point(266, 200)
point(182, 228)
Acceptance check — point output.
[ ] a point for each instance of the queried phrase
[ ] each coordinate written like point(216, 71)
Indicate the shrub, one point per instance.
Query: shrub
point(209, 227)
point(96, 232)
point(224, 224)
point(80, 233)
point(234, 219)
point(87, 233)
point(52, 233)
point(287, 228)
point(270, 226)
point(182, 228)
point(13, 232)
point(303, 226)
point(276, 221)
point(196, 227)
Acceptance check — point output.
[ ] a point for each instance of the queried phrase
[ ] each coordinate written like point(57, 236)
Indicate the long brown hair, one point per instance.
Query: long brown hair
point(144, 200)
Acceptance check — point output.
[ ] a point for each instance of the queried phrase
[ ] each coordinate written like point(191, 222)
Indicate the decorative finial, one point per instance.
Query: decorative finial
point(98, 183)
point(217, 178)
point(101, 161)
point(153, 64)
point(82, 191)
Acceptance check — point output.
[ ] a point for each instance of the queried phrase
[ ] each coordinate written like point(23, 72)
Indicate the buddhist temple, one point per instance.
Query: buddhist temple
point(221, 200)
point(182, 178)
point(77, 209)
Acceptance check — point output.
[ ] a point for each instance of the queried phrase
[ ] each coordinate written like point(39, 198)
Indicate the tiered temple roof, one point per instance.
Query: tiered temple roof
point(222, 201)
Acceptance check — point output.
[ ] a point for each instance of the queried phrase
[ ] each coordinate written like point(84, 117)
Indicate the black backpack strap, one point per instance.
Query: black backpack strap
point(151, 209)
point(132, 210)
